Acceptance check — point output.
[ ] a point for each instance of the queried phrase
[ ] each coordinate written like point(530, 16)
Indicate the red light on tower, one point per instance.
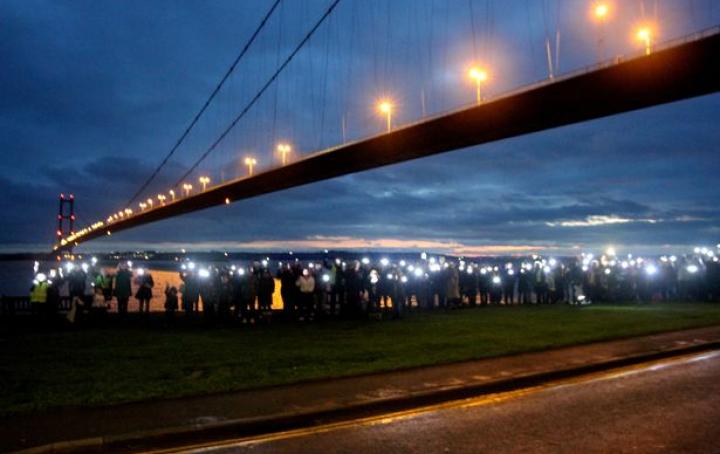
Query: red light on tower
point(72, 196)
point(59, 233)
point(62, 196)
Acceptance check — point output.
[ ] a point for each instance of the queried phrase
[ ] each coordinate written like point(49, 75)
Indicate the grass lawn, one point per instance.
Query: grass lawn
point(105, 366)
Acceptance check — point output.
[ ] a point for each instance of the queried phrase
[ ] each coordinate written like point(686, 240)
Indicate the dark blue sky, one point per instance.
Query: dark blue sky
point(94, 93)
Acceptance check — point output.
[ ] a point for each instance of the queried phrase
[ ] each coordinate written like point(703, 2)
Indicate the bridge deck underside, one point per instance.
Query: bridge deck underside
point(685, 71)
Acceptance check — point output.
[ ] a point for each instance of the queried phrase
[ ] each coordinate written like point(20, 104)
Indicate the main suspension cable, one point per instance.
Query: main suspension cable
point(259, 93)
point(207, 103)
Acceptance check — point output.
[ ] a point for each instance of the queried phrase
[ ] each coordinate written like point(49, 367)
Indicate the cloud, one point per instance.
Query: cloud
point(598, 220)
point(603, 220)
point(96, 92)
point(347, 243)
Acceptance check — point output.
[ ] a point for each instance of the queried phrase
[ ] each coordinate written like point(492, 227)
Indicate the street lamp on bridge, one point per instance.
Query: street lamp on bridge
point(150, 202)
point(172, 195)
point(161, 198)
point(284, 149)
point(644, 34)
point(600, 13)
point(187, 187)
point(250, 163)
point(204, 181)
point(385, 107)
point(480, 76)
point(142, 206)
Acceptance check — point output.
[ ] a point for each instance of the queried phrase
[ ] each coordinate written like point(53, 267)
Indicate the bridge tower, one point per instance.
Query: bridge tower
point(66, 214)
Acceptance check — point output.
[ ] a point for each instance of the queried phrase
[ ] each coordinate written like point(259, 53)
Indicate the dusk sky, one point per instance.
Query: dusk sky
point(93, 94)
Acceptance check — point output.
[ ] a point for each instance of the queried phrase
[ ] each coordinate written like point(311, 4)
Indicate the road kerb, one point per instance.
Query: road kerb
point(219, 430)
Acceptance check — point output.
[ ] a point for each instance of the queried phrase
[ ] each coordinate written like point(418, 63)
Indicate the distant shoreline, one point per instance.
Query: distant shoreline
point(237, 255)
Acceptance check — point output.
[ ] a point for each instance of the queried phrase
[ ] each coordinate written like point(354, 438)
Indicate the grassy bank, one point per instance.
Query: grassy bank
point(95, 367)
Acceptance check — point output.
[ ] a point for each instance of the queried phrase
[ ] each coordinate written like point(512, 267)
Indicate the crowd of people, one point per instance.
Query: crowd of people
point(89, 288)
point(363, 288)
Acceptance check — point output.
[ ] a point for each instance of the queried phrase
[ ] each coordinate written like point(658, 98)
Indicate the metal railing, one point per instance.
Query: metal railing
point(20, 305)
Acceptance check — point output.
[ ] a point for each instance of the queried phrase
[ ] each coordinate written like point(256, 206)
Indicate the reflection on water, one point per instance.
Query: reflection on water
point(172, 278)
point(16, 278)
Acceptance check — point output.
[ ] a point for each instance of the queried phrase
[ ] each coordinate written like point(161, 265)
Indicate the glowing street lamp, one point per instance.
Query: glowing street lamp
point(644, 34)
point(172, 195)
point(187, 187)
point(150, 202)
point(142, 206)
point(161, 198)
point(284, 149)
point(204, 182)
point(480, 76)
point(600, 11)
point(385, 107)
point(250, 163)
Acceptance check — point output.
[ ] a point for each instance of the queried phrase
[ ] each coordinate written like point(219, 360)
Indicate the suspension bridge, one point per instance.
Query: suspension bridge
point(662, 73)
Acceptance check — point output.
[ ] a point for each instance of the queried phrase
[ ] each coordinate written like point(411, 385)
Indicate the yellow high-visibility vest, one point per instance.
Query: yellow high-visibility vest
point(39, 293)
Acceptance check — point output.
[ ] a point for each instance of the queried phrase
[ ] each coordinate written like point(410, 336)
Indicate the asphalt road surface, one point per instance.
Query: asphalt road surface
point(667, 406)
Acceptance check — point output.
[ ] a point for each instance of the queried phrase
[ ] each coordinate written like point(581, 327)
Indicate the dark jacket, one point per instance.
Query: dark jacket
point(123, 284)
point(145, 290)
point(171, 299)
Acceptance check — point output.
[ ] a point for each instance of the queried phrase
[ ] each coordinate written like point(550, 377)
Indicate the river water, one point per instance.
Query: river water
point(15, 277)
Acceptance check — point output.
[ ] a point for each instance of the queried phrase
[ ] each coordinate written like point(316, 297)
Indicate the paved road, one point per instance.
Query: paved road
point(670, 406)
